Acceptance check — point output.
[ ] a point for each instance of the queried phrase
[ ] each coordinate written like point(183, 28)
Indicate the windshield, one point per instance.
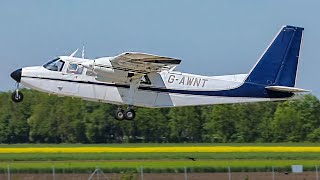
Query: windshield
point(54, 65)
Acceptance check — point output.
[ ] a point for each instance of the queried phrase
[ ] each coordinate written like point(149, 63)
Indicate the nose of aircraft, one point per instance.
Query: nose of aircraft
point(16, 75)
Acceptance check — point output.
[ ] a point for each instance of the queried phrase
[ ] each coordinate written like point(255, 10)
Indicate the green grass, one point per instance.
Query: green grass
point(156, 166)
point(155, 156)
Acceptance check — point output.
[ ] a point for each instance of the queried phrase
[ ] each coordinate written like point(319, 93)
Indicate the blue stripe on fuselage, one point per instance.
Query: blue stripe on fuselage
point(245, 90)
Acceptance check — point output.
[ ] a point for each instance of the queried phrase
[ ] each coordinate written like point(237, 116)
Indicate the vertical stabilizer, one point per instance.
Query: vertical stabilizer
point(278, 64)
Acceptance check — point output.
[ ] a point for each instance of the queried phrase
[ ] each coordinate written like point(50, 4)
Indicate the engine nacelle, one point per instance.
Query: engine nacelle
point(105, 72)
point(111, 75)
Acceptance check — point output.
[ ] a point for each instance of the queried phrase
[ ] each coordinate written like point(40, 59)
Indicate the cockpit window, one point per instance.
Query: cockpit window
point(54, 65)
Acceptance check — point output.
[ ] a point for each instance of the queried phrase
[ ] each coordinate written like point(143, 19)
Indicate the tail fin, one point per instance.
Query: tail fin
point(278, 65)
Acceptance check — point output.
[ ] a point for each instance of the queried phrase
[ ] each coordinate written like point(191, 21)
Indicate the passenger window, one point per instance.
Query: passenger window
point(75, 69)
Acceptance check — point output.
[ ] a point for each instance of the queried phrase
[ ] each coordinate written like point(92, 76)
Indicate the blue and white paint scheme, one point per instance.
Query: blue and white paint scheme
point(146, 80)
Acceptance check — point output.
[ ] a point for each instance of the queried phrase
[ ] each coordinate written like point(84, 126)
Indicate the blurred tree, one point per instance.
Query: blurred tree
point(150, 125)
point(294, 120)
point(185, 124)
point(100, 125)
point(41, 118)
point(43, 122)
point(5, 117)
point(221, 125)
point(254, 121)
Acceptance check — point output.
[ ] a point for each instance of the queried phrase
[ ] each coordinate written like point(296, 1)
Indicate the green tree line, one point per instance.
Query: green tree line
point(41, 118)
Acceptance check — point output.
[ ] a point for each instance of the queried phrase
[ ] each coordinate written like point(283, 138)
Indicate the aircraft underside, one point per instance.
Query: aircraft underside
point(108, 93)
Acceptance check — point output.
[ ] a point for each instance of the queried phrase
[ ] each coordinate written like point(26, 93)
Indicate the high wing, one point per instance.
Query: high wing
point(143, 63)
point(129, 65)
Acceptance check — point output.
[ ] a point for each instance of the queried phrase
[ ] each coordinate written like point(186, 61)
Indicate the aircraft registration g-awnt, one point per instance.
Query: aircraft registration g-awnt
point(146, 80)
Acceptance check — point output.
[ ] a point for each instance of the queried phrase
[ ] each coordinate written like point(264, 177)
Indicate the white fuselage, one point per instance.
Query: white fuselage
point(88, 86)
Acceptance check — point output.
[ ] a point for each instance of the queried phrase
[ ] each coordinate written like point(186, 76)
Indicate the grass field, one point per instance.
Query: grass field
point(157, 157)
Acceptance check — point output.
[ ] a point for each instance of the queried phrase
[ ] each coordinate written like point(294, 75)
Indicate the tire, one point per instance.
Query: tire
point(17, 97)
point(119, 115)
point(129, 114)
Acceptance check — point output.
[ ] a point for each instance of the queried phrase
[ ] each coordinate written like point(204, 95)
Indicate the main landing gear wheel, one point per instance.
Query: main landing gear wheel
point(17, 96)
point(129, 114)
point(119, 115)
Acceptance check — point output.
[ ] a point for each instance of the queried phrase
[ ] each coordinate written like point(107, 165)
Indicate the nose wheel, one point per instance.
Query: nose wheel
point(17, 96)
point(128, 114)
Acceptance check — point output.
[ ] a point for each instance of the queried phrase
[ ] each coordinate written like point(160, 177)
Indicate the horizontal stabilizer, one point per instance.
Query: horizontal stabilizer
point(286, 89)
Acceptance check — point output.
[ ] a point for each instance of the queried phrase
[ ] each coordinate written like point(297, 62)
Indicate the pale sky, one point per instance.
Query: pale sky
point(211, 37)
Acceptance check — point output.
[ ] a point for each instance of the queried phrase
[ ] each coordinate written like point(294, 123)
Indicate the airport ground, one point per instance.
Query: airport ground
point(172, 176)
point(160, 161)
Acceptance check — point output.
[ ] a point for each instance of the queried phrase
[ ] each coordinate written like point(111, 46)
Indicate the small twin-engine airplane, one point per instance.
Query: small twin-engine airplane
point(146, 80)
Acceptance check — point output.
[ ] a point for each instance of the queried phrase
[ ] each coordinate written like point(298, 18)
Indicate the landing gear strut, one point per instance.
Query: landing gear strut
point(128, 114)
point(17, 96)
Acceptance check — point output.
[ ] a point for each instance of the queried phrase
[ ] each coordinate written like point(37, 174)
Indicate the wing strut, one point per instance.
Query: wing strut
point(134, 85)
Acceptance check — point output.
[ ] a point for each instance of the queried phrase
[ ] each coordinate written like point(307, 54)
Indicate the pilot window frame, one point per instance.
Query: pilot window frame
point(54, 65)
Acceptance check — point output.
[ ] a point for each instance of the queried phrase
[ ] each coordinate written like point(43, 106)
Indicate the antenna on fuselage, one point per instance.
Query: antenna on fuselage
point(71, 55)
point(83, 52)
